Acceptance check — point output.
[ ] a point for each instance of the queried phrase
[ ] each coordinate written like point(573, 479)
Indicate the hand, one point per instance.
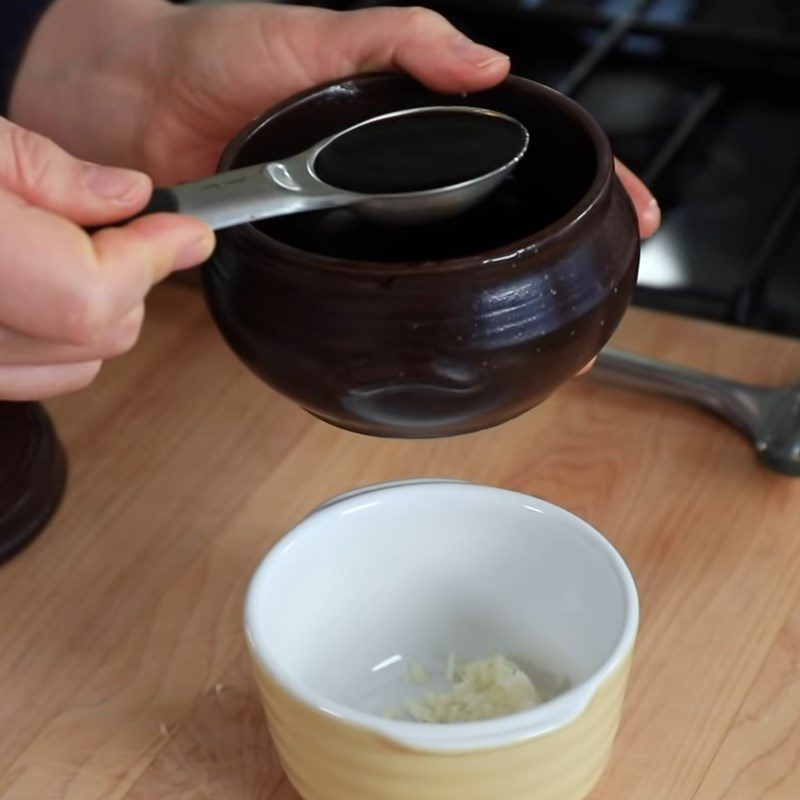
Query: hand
point(162, 88)
point(146, 84)
point(69, 300)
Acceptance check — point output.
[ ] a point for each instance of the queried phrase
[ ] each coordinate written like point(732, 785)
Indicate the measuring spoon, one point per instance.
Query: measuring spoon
point(292, 185)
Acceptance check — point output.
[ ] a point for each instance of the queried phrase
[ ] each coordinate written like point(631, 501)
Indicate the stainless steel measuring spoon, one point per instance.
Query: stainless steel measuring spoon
point(768, 416)
point(291, 186)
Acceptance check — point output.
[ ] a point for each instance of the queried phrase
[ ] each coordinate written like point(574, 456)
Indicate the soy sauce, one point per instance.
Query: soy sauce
point(418, 152)
point(563, 160)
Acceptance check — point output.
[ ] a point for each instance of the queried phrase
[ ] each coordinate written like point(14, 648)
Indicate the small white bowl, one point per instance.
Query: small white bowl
point(405, 574)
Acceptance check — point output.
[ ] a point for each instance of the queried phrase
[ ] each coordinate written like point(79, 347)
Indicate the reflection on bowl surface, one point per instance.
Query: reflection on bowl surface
point(438, 329)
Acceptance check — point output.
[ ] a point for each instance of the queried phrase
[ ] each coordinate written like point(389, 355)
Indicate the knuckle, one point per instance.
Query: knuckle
point(126, 335)
point(85, 315)
point(81, 376)
point(420, 17)
point(26, 159)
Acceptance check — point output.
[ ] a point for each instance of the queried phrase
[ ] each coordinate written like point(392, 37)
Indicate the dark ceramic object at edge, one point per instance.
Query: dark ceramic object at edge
point(425, 348)
point(33, 474)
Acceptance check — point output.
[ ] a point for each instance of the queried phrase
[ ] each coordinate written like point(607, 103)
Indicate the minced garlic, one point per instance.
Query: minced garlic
point(481, 689)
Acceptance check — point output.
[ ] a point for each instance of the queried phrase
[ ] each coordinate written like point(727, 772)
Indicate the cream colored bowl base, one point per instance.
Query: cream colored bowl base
point(326, 758)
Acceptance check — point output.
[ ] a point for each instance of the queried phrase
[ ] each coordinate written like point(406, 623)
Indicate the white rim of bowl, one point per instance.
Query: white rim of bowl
point(460, 736)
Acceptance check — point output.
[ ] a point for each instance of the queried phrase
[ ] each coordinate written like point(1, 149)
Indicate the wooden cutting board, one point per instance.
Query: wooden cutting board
point(122, 673)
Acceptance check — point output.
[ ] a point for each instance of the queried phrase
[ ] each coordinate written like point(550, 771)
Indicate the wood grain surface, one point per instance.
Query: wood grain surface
point(122, 671)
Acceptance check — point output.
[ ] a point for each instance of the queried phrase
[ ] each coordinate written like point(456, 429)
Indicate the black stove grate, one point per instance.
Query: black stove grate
point(701, 98)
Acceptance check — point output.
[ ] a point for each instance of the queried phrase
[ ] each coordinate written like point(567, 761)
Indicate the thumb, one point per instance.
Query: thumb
point(41, 174)
point(308, 46)
point(419, 41)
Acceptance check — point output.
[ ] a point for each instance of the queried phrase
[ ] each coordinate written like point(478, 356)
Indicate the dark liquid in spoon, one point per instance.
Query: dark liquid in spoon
point(420, 151)
point(563, 160)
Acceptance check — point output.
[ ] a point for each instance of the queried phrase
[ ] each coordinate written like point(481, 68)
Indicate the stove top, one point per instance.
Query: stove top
point(702, 99)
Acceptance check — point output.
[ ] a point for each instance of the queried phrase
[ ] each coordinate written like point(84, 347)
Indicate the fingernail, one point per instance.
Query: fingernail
point(195, 253)
point(112, 183)
point(478, 55)
point(653, 212)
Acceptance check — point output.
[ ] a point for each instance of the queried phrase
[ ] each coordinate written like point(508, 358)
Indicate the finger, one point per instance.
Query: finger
point(17, 349)
point(138, 255)
point(310, 46)
point(40, 173)
point(42, 382)
point(646, 205)
point(59, 284)
point(418, 41)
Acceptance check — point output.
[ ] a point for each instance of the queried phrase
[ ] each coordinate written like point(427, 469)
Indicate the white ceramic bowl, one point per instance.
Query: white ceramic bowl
point(400, 574)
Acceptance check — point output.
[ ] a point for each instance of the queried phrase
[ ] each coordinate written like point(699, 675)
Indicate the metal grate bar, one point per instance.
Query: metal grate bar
point(702, 32)
point(568, 17)
point(584, 67)
point(698, 112)
point(750, 42)
point(749, 298)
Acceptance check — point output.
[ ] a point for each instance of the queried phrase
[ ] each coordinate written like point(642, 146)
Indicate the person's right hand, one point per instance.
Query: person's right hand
point(69, 300)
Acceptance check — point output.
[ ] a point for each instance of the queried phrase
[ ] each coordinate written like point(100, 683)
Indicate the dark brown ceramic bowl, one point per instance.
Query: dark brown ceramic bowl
point(440, 329)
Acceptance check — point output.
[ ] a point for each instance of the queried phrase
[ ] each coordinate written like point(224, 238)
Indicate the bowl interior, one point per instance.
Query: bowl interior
point(557, 171)
point(409, 574)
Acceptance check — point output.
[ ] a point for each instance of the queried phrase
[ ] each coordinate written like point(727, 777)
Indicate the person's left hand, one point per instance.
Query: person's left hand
point(146, 84)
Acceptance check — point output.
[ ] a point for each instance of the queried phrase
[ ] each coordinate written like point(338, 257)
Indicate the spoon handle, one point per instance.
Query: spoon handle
point(162, 200)
point(736, 402)
point(244, 195)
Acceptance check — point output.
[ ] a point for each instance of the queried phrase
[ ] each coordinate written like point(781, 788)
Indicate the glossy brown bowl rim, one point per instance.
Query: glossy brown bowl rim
point(535, 243)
